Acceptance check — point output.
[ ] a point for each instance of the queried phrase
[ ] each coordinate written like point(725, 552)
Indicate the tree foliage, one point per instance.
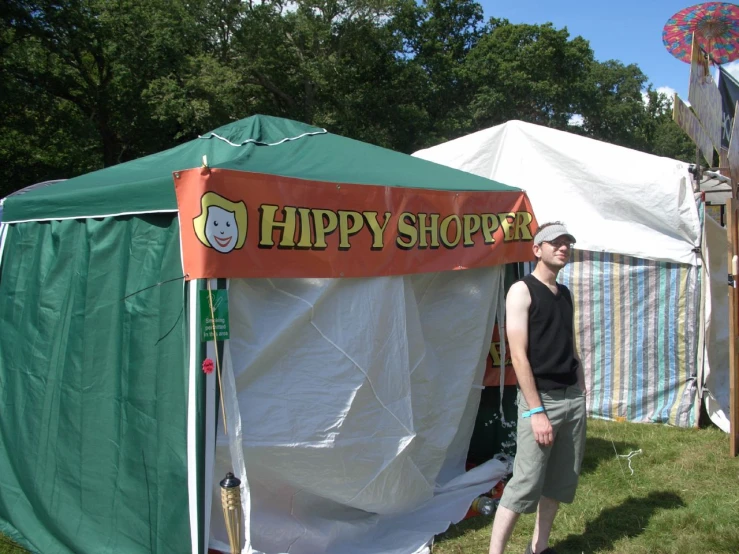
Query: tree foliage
point(534, 73)
point(90, 83)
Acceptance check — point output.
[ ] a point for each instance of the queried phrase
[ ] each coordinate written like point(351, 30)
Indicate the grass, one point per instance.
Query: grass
point(683, 498)
point(9, 547)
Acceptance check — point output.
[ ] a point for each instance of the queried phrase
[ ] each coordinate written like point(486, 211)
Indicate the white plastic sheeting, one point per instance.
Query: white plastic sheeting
point(352, 407)
point(612, 199)
point(716, 316)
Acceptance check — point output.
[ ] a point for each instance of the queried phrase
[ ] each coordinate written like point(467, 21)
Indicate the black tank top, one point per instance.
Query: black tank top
point(551, 350)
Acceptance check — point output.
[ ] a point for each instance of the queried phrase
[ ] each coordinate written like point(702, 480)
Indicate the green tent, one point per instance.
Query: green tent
point(144, 186)
point(109, 434)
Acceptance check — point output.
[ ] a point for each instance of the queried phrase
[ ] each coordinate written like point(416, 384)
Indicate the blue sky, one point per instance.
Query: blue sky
point(629, 31)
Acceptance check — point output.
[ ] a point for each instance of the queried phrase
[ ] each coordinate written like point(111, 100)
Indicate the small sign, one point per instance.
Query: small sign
point(215, 318)
point(716, 211)
point(689, 123)
point(705, 98)
point(732, 156)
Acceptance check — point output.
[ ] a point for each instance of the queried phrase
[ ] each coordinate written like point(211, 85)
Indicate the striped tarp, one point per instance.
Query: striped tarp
point(636, 327)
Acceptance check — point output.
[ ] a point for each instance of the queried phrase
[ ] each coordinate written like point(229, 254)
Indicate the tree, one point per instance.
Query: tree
point(438, 36)
point(97, 57)
point(333, 64)
point(613, 108)
point(669, 139)
point(90, 83)
point(621, 108)
point(534, 73)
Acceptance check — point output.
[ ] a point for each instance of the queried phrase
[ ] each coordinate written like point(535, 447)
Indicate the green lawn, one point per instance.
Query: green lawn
point(683, 498)
point(8, 547)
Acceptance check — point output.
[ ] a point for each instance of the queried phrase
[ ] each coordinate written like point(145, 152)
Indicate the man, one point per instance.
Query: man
point(551, 396)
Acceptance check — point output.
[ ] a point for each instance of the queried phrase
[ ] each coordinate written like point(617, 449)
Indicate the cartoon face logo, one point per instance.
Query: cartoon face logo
point(221, 224)
point(220, 229)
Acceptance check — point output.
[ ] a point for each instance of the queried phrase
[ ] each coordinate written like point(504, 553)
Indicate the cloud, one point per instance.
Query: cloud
point(576, 121)
point(667, 91)
point(670, 93)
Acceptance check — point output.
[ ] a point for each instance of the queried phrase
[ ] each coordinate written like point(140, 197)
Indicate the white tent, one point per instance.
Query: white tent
point(640, 248)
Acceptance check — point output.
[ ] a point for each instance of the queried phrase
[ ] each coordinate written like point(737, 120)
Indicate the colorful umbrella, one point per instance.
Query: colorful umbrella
point(716, 27)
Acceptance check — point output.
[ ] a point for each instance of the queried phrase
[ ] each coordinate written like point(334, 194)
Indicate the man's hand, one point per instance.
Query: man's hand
point(542, 429)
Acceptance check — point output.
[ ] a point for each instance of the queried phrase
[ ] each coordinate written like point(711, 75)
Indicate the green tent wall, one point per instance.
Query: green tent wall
point(93, 385)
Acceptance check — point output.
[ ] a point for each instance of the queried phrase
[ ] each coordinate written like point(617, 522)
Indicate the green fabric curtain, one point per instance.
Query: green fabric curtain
point(93, 387)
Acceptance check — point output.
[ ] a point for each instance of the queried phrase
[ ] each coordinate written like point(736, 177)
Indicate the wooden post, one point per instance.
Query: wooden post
point(704, 128)
point(732, 228)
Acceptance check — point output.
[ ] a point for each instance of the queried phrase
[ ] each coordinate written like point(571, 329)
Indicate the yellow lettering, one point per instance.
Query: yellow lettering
point(432, 229)
point(471, 226)
point(489, 226)
point(268, 224)
point(522, 229)
point(506, 222)
point(445, 230)
point(495, 354)
point(378, 232)
point(346, 230)
point(407, 230)
point(306, 235)
point(325, 223)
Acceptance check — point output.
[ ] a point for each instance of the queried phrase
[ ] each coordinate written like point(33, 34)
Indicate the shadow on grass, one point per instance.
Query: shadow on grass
point(470, 524)
point(627, 520)
point(599, 450)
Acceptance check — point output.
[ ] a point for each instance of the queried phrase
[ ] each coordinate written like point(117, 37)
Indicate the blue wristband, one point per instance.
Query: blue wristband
point(538, 410)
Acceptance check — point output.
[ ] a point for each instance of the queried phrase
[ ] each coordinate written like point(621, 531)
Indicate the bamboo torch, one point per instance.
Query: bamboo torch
point(232, 511)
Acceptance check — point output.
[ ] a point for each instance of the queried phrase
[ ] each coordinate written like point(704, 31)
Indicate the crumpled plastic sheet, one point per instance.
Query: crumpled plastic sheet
point(352, 408)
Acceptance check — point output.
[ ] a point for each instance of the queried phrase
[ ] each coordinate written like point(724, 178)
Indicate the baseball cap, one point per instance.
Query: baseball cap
point(551, 232)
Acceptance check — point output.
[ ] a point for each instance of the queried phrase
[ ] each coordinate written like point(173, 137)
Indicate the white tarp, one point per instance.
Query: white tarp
point(716, 317)
point(352, 407)
point(612, 199)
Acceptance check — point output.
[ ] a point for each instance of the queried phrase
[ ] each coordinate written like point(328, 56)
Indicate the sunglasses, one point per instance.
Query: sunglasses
point(559, 243)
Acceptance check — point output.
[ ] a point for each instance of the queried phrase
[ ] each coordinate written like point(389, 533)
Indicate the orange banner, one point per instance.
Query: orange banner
point(492, 364)
point(242, 224)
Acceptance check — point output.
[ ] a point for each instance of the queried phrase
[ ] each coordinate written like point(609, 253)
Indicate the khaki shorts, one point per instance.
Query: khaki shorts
point(550, 471)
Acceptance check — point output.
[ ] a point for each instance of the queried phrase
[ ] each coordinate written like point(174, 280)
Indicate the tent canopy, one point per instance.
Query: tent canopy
point(615, 199)
point(365, 389)
point(259, 144)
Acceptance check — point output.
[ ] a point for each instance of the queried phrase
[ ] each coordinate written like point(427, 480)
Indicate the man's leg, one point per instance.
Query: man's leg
point(544, 519)
point(564, 463)
point(503, 524)
point(523, 492)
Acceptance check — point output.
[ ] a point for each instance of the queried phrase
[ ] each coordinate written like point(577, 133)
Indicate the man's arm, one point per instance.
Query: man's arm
point(517, 331)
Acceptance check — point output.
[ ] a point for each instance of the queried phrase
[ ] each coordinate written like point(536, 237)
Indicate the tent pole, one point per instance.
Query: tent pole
point(732, 228)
